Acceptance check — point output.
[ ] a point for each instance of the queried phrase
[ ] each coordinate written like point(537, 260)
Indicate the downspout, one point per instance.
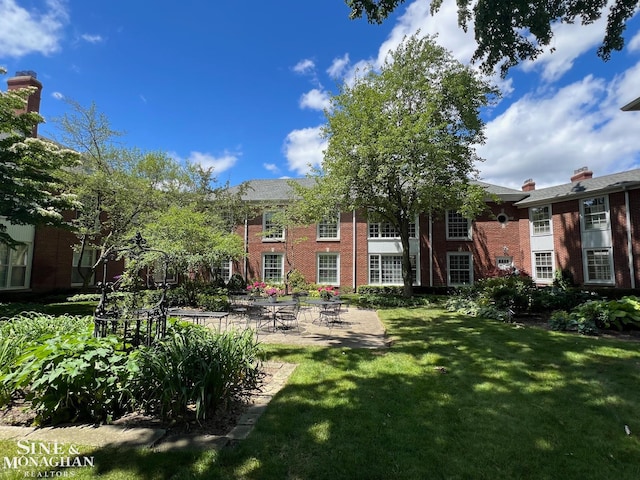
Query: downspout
point(354, 251)
point(632, 272)
point(430, 250)
point(246, 246)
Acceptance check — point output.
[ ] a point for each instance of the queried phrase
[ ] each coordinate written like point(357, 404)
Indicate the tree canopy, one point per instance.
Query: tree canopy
point(31, 169)
point(510, 31)
point(126, 190)
point(401, 142)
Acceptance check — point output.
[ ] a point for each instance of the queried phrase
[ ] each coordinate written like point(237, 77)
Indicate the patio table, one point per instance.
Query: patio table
point(325, 305)
point(199, 317)
point(274, 306)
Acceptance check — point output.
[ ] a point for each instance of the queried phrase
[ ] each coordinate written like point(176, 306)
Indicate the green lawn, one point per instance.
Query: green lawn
point(454, 398)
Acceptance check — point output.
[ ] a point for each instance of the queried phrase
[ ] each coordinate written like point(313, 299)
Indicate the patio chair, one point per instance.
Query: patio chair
point(330, 314)
point(259, 316)
point(240, 304)
point(287, 317)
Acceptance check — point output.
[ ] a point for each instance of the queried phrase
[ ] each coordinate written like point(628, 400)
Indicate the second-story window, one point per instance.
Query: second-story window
point(387, 230)
point(272, 231)
point(458, 226)
point(329, 228)
point(540, 220)
point(595, 213)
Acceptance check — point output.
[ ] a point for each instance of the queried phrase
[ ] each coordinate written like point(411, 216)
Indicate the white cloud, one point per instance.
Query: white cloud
point(315, 100)
point(207, 160)
point(304, 149)
point(634, 44)
point(92, 38)
point(548, 137)
point(338, 66)
point(25, 31)
point(304, 67)
point(271, 167)
point(569, 42)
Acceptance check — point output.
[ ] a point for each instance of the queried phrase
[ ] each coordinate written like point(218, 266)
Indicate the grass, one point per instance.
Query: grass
point(454, 398)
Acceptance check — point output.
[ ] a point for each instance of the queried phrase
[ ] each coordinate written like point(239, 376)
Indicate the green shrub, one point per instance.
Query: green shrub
point(623, 313)
point(562, 321)
point(236, 283)
point(72, 377)
point(297, 281)
point(505, 292)
point(212, 303)
point(193, 366)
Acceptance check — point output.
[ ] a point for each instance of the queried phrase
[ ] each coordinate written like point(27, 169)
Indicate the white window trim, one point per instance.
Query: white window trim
point(467, 254)
point(329, 239)
point(590, 281)
point(469, 228)
point(27, 273)
point(380, 257)
point(281, 255)
point(381, 238)
point(334, 254)
point(504, 265)
point(265, 237)
point(607, 213)
point(534, 267)
point(531, 229)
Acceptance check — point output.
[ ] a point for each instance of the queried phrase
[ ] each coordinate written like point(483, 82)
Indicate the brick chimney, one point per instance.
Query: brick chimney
point(25, 79)
point(528, 185)
point(581, 174)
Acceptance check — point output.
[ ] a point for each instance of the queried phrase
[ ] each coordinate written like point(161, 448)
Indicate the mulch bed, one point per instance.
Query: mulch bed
point(18, 413)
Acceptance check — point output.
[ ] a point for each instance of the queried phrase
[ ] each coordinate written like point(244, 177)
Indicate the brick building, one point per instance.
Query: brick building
point(589, 227)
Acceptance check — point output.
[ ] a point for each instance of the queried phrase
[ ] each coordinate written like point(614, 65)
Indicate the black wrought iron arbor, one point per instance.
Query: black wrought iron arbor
point(135, 325)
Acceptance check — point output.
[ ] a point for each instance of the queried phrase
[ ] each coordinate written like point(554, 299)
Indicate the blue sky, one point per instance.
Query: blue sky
point(241, 86)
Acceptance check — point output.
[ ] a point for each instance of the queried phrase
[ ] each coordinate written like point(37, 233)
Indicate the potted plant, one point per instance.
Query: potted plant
point(327, 293)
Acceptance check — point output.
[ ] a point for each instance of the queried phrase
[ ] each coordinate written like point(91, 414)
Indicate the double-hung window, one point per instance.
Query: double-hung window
point(540, 220)
point(599, 265)
point(13, 266)
point(328, 268)
point(459, 268)
point(595, 213)
point(543, 266)
point(458, 226)
point(272, 230)
point(329, 228)
point(272, 267)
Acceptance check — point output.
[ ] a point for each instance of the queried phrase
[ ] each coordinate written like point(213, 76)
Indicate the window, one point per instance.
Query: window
point(387, 269)
point(386, 230)
point(272, 267)
point(504, 263)
point(599, 265)
point(272, 231)
point(540, 220)
point(329, 228)
point(13, 266)
point(458, 227)
point(459, 268)
point(328, 268)
point(543, 266)
point(222, 270)
point(158, 274)
point(595, 213)
point(87, 261)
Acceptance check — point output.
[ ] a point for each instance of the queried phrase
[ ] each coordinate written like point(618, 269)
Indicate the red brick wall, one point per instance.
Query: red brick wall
point(567, 243)
point(300, 249)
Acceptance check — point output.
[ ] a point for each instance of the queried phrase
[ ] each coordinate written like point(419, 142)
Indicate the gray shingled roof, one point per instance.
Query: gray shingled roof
point(582, 188)
point(273, 190)
point(278, 189)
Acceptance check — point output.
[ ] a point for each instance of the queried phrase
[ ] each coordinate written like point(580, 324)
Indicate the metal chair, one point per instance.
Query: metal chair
point(330, 313)
point(287, 317)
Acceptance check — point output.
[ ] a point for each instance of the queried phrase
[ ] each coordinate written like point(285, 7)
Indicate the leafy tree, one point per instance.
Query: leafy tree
point(31, 169)
point(509, 31)
point(194, 240)
point(401, 141)
point(121, 189)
